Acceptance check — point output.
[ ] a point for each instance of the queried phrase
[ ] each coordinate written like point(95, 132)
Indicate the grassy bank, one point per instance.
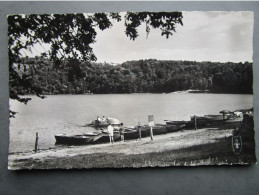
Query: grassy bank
point(219, 153)
point(206, 146)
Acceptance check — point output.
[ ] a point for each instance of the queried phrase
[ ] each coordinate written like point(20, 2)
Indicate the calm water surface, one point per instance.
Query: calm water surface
point(69, 113)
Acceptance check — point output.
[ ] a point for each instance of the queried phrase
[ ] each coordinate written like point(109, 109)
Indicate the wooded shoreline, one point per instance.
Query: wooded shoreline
point(142, 76)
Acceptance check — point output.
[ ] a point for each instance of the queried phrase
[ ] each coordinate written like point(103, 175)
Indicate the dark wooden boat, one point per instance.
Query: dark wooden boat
point(158, 129)
point(175, 127)
point(73, 139)
point(104, 137)
point(134, 134)
point(163, 129)
point(208, 119)
point(175, 122)
point(216, 118)
point(86, 138)
point(198, 118)
point(185, 123)
point(200, 121)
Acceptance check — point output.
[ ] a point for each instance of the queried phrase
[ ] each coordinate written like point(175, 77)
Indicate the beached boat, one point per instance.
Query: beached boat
point(158, 129)
point(86, 138)
point(200, 121)
point(73, 139)
point(208, 119)
point(198, 118)
point(163, 129)
point(112, 121)
point(104, 137)
point(185, 123)
point(174, 127)
point(133, 134)
point(216, 118)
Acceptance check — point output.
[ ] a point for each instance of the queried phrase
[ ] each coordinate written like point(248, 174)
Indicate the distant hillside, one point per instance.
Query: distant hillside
point(142, 76)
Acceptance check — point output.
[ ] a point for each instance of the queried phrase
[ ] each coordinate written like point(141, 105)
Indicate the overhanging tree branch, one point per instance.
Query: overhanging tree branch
point(70, 37)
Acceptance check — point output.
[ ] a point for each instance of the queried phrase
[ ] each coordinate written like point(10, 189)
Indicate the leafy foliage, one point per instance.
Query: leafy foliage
point(142, 76)
point(166, 21)
point(70, 37)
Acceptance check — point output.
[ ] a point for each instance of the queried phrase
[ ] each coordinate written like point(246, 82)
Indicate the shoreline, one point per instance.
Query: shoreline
point(189, 91)
point(205, 146)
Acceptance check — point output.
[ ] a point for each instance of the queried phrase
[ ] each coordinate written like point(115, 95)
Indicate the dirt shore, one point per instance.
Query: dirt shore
point(205, 146)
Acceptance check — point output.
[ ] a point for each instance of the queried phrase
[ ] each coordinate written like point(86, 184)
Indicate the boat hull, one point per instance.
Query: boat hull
point(73, 139)
point(158, 129)
point(104, 138)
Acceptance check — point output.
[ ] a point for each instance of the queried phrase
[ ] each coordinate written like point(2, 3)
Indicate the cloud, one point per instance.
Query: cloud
point(205, 36)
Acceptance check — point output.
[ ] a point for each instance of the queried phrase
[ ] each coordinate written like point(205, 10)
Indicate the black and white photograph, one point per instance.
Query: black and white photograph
point(131, 89)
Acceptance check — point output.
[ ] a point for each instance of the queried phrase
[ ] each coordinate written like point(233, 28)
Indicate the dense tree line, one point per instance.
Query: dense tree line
point(143, 76)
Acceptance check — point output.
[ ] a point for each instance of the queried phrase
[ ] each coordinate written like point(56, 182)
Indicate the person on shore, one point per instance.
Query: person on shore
point(139, 130)
point(121, 130)
point(110, 132)
point(195, 122)
point(98, 120)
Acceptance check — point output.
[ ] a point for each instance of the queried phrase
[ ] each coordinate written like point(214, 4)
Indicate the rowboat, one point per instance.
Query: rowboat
point(104, 137)
point(134, 134)
point(185, 123)
point(158, 129)
point(208, 119)
point(163, 129)
point(73, 139)
point(216, 118)
point(198, 118)
point(200, 121)
point(86, 138)
point(175, 127)
point(176, 122)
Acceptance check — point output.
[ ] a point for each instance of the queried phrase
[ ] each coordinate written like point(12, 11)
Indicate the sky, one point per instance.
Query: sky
point(204, 36)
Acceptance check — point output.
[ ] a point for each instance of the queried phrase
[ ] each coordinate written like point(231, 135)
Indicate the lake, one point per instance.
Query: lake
point(70, 113)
